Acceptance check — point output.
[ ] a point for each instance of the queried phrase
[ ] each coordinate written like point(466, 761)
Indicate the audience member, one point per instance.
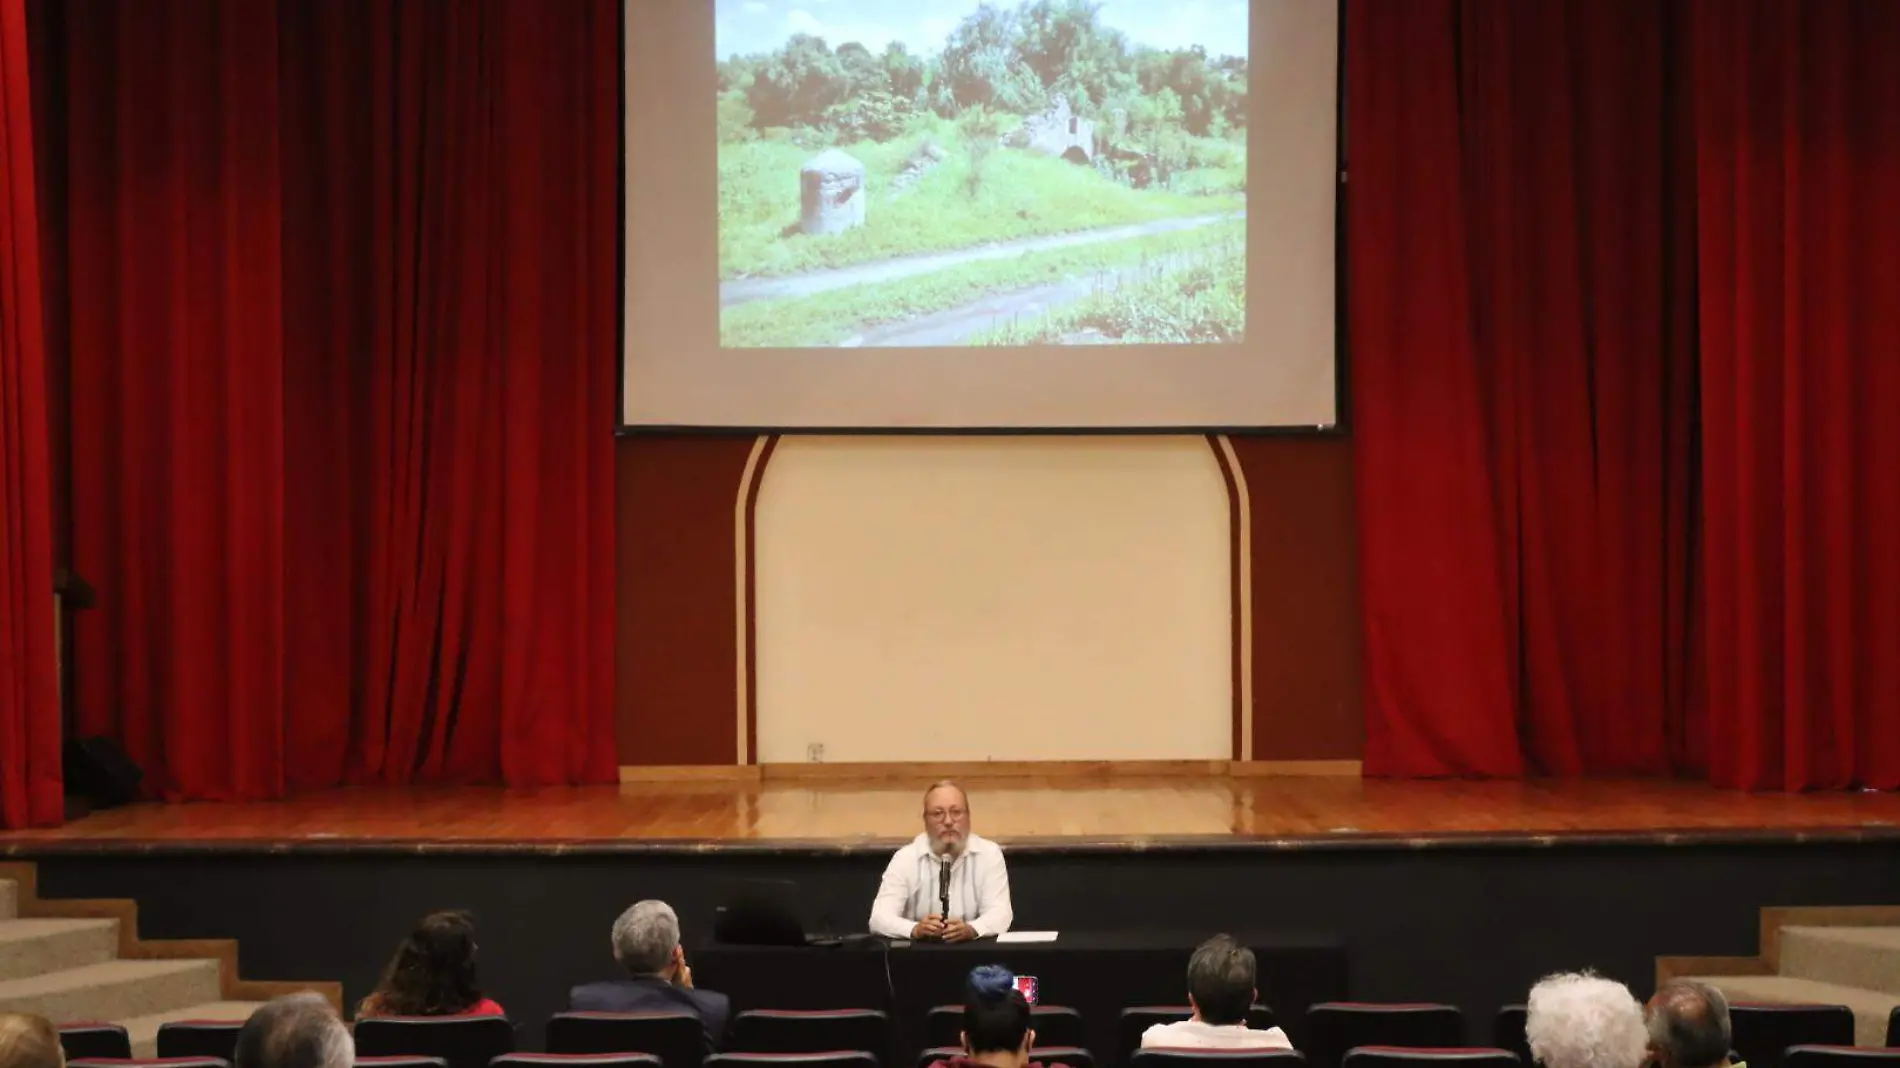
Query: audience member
point(1220, 984)
point(432, 973)
point(29, 1042)
point(996, 1030)
point(647, 944)
point(1582, 1020)
point(299, 1031)
point(1689, 1026)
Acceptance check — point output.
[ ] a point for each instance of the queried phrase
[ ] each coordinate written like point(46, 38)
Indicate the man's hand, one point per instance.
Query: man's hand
point(958, 931)
point(928, 929)
point(683, 977)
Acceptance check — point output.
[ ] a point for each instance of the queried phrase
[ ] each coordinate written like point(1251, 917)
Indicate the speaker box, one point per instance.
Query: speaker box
point(98, 771)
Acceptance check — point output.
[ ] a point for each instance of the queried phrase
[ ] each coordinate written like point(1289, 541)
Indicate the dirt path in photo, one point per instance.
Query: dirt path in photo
point(745, 290)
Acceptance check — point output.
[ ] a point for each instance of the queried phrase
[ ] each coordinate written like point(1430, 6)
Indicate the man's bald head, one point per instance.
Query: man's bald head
point(1689, 1025)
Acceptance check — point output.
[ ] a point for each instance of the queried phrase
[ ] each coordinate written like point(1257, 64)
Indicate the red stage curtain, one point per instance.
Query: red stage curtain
point(1521, 374)
point(30, 790)
point(343, 331)
point(1798, 158)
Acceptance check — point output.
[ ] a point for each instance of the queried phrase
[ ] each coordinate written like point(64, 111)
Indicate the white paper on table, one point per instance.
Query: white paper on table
point(1026, 936)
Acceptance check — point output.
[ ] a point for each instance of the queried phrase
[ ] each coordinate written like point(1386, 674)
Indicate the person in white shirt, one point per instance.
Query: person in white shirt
point(909, 901)
point(1220, 979)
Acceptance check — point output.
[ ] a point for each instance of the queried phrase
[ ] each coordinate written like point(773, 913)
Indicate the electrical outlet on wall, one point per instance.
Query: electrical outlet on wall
point(815, 752)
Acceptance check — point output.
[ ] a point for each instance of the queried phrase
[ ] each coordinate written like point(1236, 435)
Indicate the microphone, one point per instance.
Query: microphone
point(943, 888)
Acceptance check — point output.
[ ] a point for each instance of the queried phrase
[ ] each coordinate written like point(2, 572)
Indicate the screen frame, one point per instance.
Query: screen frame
point(1340, 427)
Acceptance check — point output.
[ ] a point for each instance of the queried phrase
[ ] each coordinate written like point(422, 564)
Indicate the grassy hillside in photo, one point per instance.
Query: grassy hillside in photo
point(1018, 194)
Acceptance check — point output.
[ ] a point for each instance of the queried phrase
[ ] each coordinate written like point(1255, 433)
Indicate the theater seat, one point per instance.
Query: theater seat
point(1404, 1057)
point(94, 1040)
point(832, 1059)
point(463, 1041)
point(1839, 1057)
point(1055, 1025)
point(818, 1031)
point(401, 1062)
point(575, 1060)
point(676, 1039)
point(1507, 1032)
point(1137, 1019)
point(199, 1038)
point(1333, 1027)
point(1216, 1058)
point(149, 1063)
point(1762, 1032)
point(1066, 1056)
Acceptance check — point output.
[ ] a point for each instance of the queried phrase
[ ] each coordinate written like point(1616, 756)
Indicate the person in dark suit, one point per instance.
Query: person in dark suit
point(647, 945)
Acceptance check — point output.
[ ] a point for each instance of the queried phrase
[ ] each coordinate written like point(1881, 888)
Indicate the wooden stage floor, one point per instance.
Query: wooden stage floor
point(1104, 811)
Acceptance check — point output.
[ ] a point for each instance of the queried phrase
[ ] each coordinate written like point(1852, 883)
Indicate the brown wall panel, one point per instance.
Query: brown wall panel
point(1308, 690)
point(676, 647)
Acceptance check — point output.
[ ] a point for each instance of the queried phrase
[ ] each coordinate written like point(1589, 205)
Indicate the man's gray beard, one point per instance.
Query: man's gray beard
point(939, 847)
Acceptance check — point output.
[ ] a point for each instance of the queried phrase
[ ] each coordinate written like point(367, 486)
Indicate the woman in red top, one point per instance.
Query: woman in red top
point(996, 1030)
point(432, 973)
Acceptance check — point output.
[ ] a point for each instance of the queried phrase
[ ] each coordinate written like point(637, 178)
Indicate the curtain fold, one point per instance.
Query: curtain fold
point(1522, 463)
point(30, 781)
point(1797, 157)
point(343, 282)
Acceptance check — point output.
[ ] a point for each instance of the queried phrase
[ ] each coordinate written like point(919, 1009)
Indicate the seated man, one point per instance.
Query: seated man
point(1689, 1026)
point(946, 861)
point(299, 1031)
point(1581, 1020)
point(29, 1042)
point(647, 945)
point(996, 1030)
point(1220, 983)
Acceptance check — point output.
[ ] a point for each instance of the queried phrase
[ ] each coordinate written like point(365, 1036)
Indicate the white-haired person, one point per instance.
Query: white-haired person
point(647, 944)
point(299, 1031)
point(1582, 1020)
point(1689, 1026)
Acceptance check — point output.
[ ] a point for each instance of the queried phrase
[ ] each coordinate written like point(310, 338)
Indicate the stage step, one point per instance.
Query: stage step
point(143, 1030)
point(1865, 957)
point(115, 990)
point(9, 899)
point(1870, 1006)
point(35, 947)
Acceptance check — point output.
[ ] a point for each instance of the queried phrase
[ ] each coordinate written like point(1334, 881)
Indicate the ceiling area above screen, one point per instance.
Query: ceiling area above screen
point(1032, 214)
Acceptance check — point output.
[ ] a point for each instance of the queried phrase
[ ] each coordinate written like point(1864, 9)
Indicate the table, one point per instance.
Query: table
point(1098, 974)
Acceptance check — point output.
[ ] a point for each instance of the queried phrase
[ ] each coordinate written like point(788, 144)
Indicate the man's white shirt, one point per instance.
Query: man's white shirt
point(1196, 1034)
point(979, 888)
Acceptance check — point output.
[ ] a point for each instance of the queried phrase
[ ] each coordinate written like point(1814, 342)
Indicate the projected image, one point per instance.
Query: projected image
point(926, 173)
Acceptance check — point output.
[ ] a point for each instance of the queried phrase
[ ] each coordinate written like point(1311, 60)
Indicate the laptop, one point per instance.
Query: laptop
point(765, 912)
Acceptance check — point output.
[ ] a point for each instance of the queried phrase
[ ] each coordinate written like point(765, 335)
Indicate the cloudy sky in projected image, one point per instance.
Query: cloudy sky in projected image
point(750, 26)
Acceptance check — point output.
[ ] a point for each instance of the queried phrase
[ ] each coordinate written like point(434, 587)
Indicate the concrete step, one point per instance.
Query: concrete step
point(1865, 957)
point(9, 899)
point(1870, 1007)
point(143, 1030)
point(35, 947)
point(115, 990)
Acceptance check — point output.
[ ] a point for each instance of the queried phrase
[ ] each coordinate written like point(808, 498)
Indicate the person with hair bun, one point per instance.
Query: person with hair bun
point(996, 1030)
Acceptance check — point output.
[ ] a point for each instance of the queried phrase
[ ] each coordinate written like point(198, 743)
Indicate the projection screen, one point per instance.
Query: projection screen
point(954, 214)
